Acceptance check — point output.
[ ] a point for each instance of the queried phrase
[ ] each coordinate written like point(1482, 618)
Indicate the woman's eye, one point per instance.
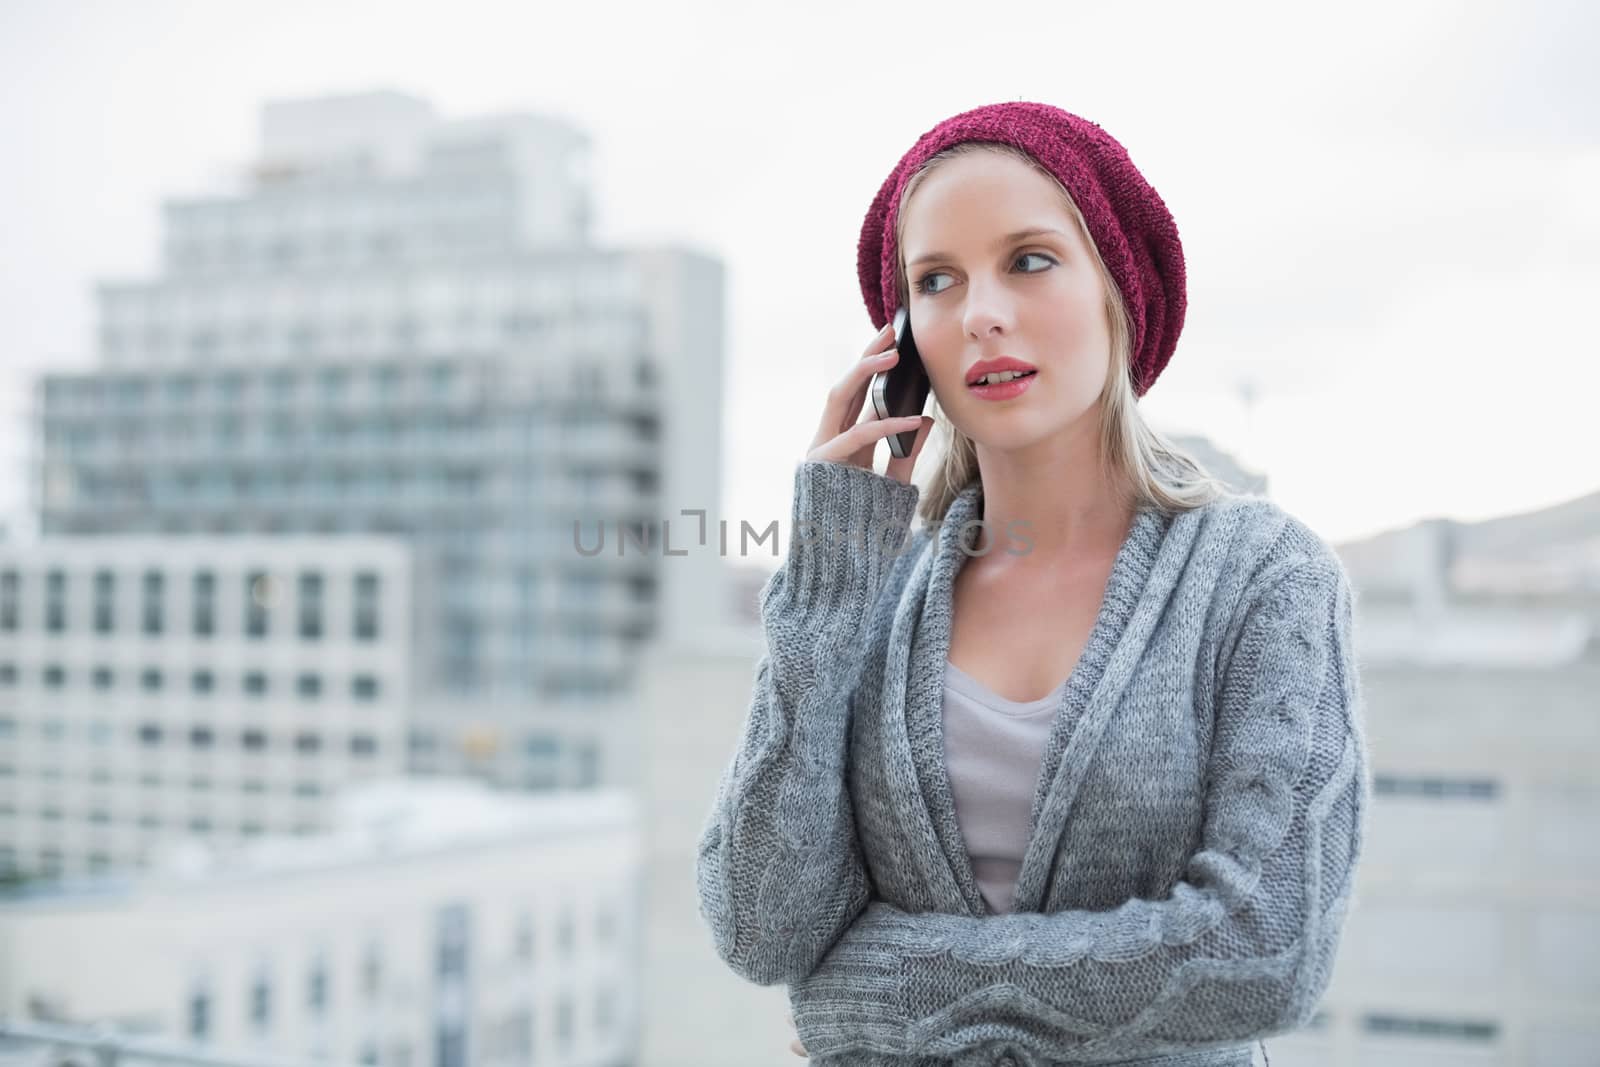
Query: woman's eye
point(924, 287)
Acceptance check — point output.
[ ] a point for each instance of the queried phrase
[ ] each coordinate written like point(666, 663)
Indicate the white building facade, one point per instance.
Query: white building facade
point(157, 689)
point(437, 924)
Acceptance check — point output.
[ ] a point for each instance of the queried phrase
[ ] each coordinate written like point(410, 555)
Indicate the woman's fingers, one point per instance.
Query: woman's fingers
point(900, 469)
point(856, 444)
point(849, 393)
point(847, 435)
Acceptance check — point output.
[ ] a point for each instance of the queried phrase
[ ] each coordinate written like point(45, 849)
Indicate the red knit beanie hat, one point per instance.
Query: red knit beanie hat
point(1129, 222)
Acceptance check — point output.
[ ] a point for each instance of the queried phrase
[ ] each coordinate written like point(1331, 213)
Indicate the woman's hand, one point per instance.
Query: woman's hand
point(795, 1046)
point(842, 439)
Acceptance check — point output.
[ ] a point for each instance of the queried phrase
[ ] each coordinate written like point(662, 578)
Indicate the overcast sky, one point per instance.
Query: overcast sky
point(1388, 209)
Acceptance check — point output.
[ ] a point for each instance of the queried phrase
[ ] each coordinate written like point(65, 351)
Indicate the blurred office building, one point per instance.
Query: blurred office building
point(154, 689)
point(414, 931)
point(397, 325)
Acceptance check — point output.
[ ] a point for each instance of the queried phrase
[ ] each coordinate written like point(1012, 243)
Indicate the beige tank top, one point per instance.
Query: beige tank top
point(993, 747)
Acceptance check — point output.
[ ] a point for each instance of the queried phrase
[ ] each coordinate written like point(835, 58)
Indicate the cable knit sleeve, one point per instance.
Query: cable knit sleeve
point(778, 866)
point(1241, 949)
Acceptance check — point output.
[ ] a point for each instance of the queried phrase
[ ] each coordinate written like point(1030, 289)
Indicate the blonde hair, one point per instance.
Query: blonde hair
point(1152, 470)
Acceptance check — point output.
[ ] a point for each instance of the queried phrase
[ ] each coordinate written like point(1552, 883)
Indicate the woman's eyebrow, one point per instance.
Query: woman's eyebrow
point(1032, 231)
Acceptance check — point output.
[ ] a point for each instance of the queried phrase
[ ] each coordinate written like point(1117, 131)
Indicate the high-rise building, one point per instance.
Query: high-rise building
point(399, 324)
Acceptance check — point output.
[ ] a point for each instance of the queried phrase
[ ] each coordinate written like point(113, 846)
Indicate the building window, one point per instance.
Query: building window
point(204, 590)
point(8, 674)
point(261, 1001)
point(201, 736)
point(257, 595)
point(363, 745)
point(309, 686)
point(364, 621)
point(230, 387)
point(310, 606)
point(55, 601)
point(542, 747)
point(372, 971)
point(150, 734)
point(202, 681)
point(364, 687)
point(282, 384)
point(150, 679)
point(564, 1023)
point(154, 585)
point(566, 933)
point(386, 379)
point(1473, 1030)
point(105, 610)
point(199, 1014)
point(255, 683)
point(104, 678)
point(55, 676)
point(307, 742)
point(10, 583)
point(1436, 788)
point(524, 942)
point(332, 381)
point(588, 764)
point(452, 944)
point(253, 740)
point(452, 1047)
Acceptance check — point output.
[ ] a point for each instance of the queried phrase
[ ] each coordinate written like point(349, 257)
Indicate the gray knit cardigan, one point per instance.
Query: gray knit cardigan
point(1196, 823)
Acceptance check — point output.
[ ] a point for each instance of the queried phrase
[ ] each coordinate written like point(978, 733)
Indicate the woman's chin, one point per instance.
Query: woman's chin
point(1015, 433)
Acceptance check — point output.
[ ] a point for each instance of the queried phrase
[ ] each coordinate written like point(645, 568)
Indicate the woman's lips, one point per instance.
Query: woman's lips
point(1004, 390)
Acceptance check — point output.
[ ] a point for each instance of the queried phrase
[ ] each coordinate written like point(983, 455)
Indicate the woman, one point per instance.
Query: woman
point(1075, 770)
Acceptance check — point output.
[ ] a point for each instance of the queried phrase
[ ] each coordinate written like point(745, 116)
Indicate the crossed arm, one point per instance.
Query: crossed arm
point(1241, 949)
point(778, 870)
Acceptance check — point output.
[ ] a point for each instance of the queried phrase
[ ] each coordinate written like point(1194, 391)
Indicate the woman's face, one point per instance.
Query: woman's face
point(986, 294)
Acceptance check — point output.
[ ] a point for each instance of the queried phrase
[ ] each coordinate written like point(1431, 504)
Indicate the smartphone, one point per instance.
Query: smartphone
point(901, 390)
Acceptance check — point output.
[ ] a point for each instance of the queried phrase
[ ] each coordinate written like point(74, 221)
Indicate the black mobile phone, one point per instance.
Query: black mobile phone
point(901, 390)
